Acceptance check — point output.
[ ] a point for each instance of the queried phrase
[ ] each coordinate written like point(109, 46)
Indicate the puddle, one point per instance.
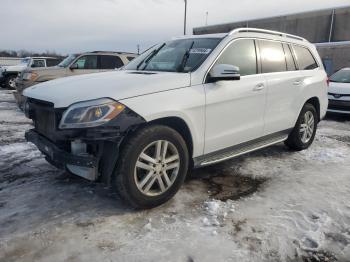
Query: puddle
point(227, 184)
point(232, 187)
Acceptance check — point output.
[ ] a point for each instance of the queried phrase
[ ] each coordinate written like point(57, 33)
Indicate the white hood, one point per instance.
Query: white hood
point(117, 85)
point(339, 88)
point(15, 68)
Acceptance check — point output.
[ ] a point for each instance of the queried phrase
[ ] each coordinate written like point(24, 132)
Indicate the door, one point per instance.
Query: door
point(85, 64)
point(283, 85)
point(235, 109)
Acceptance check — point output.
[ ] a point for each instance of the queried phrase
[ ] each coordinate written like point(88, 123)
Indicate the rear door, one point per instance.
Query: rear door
point(283, 85)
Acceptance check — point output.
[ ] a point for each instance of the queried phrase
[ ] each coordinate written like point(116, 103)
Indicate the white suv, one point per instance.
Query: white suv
point(189, 102)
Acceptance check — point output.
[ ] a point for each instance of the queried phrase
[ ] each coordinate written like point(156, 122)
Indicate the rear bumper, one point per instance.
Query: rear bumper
point(57, 156)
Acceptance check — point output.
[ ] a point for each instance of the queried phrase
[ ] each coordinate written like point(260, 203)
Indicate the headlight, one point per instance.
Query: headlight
point(30, 76)
point(91, 113)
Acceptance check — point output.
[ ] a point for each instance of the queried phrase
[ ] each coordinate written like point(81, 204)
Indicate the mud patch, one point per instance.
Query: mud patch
point(232, 187)
point(319, 256)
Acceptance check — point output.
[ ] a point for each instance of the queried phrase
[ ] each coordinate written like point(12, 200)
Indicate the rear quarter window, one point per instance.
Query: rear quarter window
point(305, 59)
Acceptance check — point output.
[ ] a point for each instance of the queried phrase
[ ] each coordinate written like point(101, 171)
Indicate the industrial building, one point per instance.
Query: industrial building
point(328, 29)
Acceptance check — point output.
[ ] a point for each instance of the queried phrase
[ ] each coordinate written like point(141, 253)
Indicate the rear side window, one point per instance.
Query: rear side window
point(130, 58)
point(111, 62)
point(289, 58)
point(52, 62)
point(272, 57)
point(305, 59)
point(240, 53)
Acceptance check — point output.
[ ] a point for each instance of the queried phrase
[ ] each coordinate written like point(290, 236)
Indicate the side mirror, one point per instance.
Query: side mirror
point(74, 66)
point(223, 72)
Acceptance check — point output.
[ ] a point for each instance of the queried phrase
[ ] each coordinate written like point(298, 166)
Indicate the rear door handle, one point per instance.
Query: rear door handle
point(259, 87)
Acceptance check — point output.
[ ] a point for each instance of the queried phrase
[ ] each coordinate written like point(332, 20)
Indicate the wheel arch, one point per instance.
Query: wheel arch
point(180, 126)
point(315, 101)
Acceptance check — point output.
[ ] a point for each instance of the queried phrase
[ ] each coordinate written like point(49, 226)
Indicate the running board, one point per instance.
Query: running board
point(241, 149)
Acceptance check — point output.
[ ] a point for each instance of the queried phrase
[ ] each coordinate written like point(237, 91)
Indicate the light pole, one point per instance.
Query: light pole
point(185, 17)
point(206, 18)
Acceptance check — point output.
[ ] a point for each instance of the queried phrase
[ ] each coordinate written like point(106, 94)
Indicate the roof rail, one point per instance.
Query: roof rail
point(264, 31)
point(112, 52)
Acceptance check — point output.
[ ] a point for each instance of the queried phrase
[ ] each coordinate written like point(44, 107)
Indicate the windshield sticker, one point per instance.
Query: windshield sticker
point(203, 51)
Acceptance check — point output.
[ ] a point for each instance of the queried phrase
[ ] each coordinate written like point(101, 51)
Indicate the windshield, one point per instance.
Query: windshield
point(342, 76)
point(183, 55)
point(25, 61)
point(66, 62)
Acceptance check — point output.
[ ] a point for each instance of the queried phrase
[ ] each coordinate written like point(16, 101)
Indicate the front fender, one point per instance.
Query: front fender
point(186, 103)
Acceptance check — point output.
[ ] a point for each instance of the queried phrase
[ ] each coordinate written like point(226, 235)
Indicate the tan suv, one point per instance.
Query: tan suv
point(74, 64)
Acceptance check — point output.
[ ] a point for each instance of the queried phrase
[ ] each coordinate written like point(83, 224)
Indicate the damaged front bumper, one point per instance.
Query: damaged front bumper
point(57, 156)
point(91, 153)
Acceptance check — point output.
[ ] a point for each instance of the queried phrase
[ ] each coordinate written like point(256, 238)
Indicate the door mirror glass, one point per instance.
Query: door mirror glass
point(223, 72)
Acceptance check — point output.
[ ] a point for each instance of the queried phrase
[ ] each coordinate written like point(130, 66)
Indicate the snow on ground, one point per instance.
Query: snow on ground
point(271, 205)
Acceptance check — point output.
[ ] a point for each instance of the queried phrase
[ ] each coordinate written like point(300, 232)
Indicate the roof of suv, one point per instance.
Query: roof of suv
point(256, 31)
point(110, 52)
point(41, 57)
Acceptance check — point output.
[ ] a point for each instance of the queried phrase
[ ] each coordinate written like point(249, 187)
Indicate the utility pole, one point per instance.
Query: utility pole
point(206, 18)
point(185, 17)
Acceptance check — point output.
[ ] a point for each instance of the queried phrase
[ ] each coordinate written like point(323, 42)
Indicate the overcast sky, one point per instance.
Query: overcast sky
point(68, 26)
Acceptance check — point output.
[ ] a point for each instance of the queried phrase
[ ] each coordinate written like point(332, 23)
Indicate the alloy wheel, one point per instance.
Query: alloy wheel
point(307, 127)
point(12, 82)
point(156, 168)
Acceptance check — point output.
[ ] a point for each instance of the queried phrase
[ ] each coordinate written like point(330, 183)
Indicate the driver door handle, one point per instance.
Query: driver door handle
point(259, 87)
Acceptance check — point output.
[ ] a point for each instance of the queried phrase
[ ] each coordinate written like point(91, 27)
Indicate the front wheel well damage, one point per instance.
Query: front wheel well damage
point(112, 150)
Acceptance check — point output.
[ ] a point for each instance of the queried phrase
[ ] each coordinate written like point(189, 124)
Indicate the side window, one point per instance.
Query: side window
point(38, 63)
point(240, 53)
point(110, 62)
point(305, 59)
point(289, 58)
point(272, 57)
point(52, 62)
point(87, 62)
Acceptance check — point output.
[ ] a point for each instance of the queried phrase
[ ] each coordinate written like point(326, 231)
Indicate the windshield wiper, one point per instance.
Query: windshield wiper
point(181, 67)
point(149, 57)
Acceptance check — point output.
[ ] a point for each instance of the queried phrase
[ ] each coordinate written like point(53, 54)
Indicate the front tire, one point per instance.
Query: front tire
point(304, 132)
point(152, 166)
point(10, 82)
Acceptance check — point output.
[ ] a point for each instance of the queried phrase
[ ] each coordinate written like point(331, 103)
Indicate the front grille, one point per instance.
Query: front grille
point(45, 122)
point(45, 117)
point(339, 105)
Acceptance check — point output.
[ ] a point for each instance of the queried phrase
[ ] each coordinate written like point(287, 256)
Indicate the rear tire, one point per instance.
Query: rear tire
point(304, 131)
point(143, 177)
